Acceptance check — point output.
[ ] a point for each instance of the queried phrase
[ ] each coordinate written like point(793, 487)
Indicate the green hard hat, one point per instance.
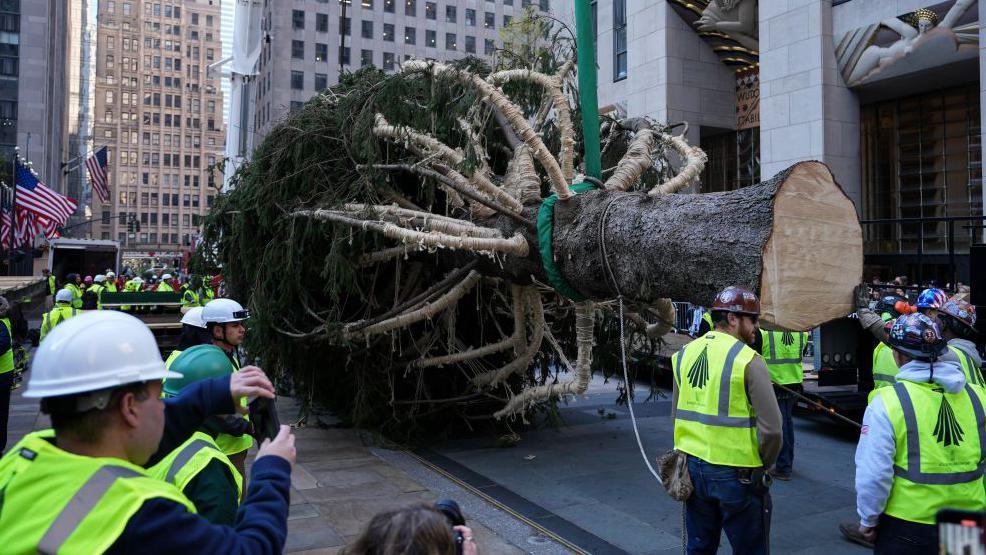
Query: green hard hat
point(200, 362)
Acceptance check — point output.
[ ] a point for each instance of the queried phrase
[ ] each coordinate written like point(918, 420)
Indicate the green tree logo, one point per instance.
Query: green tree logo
point(698, 374)
point(947, 429)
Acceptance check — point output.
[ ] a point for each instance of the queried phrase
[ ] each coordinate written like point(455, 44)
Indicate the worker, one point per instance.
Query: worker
point(98, 286)
point(63, 311)
point(921, 445)
point(87, 282)
point(72, 283)
point(884, 368)
point(6, 368)
point(193, 332)
point(198, 467)
point(110, 281)
point(224, 319)
point(194, 295)
point(80, 487)
point(783, 352)
point(727, 421)
point(52, 288)
point(165, 285)
point(957, 321)
point(134, 285)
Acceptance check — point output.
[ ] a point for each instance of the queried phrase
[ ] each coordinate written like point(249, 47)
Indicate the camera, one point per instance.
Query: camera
point(453, 514)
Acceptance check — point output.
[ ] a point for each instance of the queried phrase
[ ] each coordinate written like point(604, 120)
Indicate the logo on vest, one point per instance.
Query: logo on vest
point(698, 374)
point(787, 338)
point(947, 430)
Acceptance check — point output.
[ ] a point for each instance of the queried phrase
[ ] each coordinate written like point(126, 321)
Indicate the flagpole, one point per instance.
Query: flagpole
point(13, 212)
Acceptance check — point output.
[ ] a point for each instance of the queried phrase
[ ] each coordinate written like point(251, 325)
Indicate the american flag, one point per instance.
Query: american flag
point(97, 173)
point(33, 195)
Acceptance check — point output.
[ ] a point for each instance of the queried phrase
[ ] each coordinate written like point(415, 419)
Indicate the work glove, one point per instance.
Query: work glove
point(861, 296)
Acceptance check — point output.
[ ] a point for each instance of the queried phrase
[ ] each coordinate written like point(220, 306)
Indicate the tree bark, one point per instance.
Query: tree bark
point(794, 239)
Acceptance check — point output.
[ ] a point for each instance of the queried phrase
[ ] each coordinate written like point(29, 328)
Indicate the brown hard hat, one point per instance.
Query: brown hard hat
point(737, 300)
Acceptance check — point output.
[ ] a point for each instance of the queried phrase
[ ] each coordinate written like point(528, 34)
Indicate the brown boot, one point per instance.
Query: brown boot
point(851, 531)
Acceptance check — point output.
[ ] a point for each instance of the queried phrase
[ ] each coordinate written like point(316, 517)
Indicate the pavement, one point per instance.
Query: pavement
point(588, 477)
point(341, 480)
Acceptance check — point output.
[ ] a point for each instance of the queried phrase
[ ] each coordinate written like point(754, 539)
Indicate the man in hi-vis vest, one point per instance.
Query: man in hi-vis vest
point(727, 421)
point(922, 444)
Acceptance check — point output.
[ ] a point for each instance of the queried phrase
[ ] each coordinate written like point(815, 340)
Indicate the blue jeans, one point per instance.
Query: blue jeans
point(785, 459)
point(720, 502)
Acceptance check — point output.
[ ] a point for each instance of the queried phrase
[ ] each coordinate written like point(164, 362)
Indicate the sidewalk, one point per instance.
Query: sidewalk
point(339, 483)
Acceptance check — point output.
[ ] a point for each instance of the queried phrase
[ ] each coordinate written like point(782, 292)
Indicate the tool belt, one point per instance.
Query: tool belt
point(672, 467)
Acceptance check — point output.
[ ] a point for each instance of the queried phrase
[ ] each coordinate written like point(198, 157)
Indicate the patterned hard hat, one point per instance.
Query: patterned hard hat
point(737, 300)
point(960, 310)
point(931, 298)
point(917, 336)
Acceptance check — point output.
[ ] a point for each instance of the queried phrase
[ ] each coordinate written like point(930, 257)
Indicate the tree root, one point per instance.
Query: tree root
point(489, 379)
point(695, 159)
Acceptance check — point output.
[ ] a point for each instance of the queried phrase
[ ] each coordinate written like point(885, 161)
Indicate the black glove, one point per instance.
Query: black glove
point(861, 296)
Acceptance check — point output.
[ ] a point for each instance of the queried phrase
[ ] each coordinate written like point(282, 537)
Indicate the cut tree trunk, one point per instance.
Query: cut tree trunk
point(795, 239)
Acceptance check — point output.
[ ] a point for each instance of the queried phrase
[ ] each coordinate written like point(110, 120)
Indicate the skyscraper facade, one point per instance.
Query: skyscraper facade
point(309, 43)
point(160, 111)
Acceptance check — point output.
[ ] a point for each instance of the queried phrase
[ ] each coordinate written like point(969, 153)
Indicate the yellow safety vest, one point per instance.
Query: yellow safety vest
point(58, 502)
point(164, 287)
point(714, 420)
point(707, 318)
point(98, 290)
point(782, 351)
point(111, 287)
point(7, 358)
point(190, 298)
point(939, 460)
point(183, 464)
point(56, 316)
point(76, 295)
point(52, 285)
point(973, 374)
point(884, 366)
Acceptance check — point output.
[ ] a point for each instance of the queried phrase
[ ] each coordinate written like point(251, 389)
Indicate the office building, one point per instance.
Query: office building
point(161, 112)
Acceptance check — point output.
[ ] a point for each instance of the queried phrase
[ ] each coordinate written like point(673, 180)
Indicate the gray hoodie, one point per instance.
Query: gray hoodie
point(876, 449)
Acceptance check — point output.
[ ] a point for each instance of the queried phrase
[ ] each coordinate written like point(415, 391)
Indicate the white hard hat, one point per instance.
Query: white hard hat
point(220, 311)
point(63, 296)
point(194, 317)
point(95, 351)
point(166, 276)
point(99, 279)
point(110, 274)
point(138, 280)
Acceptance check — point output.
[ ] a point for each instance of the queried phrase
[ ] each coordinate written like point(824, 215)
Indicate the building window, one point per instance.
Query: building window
point(298, 49)
point(297, 19)
point(450, 43)
point(298, 80)
point(619, 40)
point(450, 14)
point(365, 58)
point(321, 81)
point(321, 52)
point(431, 10)
point(388, 32)
point(470, 17)
point(489, 47)
point(295, 106)
point(366, 30)
point(322, 23)
point(366, 4)
point(409, 35)
point(431, 38)
point(506, 20)
point(489, 20)
point(344, 55)
point(388, 6)
point(411, 7)
point(388, 61)
point(470, 44)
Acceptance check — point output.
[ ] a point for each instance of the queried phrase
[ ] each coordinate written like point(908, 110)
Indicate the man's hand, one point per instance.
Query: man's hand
point(249, 382)
point(868, 533)
point(861, 296)
point(281, 446)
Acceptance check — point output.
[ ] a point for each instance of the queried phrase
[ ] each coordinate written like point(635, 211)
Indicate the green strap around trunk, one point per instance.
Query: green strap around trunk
point(546, 221)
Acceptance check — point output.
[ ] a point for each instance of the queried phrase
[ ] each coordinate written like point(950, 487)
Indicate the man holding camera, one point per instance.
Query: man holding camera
point(81, 488)
point(727, 421)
